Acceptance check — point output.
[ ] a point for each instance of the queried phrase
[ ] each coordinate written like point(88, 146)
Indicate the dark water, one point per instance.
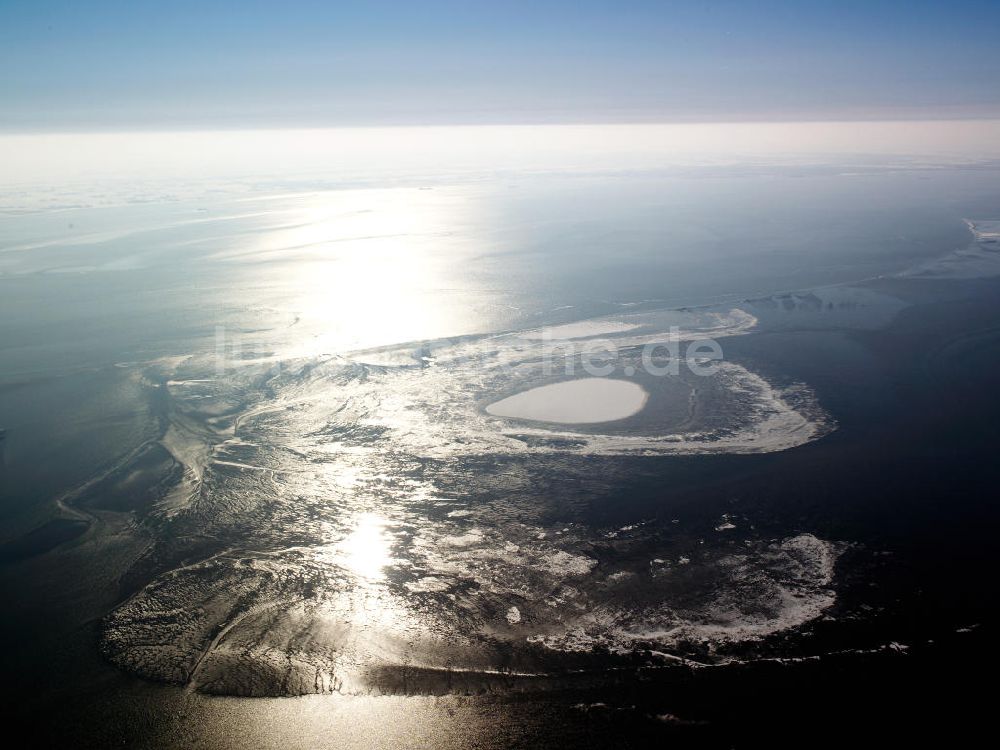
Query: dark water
point(214, 517)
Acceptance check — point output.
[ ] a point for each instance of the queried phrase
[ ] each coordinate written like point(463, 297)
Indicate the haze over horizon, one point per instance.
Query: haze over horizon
point(119, 66)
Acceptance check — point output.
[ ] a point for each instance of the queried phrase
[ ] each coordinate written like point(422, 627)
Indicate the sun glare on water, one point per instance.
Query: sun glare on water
point(371, 267)
point(366, 550)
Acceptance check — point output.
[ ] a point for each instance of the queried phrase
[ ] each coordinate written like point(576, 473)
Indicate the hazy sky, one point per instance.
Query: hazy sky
point(109, 64)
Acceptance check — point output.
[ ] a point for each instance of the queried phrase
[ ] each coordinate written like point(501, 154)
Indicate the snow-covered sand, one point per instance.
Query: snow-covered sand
point(580, 330)
point(583, 401)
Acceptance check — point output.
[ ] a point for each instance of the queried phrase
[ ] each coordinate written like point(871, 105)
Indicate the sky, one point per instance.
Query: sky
point(134, 64)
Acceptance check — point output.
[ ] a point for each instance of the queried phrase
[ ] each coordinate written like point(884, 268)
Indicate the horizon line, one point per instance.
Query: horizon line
point(391, 125)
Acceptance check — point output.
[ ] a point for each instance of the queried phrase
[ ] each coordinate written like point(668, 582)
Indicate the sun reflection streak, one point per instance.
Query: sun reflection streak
point(370, 267)
point(366, 550)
